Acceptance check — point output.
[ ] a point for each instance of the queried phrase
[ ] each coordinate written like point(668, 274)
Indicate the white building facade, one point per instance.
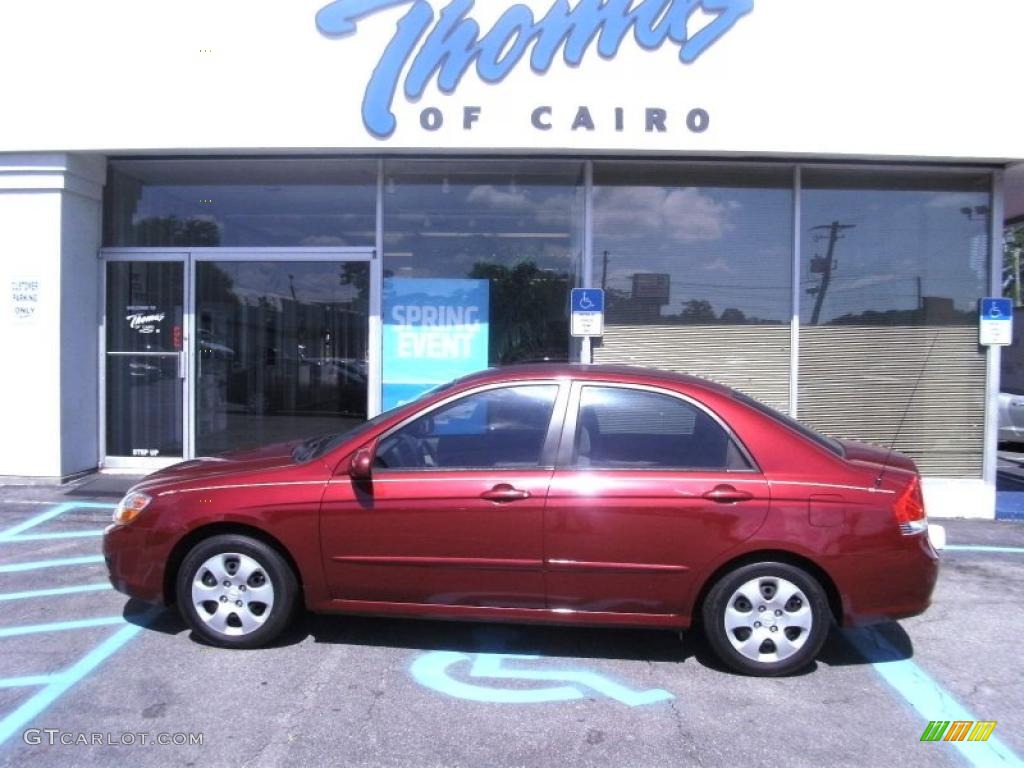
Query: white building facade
point(224, 224)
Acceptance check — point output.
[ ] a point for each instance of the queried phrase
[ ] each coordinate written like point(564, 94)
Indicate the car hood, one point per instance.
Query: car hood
point(232, 463)
point(873, 454)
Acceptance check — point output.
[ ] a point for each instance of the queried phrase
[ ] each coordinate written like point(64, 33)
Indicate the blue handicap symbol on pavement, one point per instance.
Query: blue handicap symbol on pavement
point(432, 670)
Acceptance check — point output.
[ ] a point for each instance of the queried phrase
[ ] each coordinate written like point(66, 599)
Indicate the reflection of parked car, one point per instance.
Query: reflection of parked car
point(296, 383)
point(141, 369)
point(565, 494)
point(1011, 417)
point(349, 368)
point(212, 346)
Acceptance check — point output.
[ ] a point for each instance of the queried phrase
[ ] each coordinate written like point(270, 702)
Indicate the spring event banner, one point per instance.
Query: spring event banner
point(435, 330)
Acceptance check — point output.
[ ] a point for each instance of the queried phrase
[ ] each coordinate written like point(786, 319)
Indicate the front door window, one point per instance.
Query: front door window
point(495, 429)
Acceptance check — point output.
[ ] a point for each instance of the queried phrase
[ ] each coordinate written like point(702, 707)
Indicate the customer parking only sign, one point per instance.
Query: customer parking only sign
point(435, 330)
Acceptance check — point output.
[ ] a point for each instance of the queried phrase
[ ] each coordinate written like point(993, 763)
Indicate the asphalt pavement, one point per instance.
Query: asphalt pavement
point(80, 663)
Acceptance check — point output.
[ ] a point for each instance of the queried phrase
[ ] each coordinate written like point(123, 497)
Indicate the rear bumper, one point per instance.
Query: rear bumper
point(133, 565)
point(890, 585)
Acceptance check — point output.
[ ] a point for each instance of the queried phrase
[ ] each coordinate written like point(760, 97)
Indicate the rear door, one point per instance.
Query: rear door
point(649, 487)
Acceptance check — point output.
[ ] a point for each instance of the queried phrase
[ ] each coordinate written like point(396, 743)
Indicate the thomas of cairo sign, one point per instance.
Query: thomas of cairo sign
point(445, 45)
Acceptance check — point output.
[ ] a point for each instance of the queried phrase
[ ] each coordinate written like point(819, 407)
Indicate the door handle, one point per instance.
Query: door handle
point(726, 494)
point(504, 492)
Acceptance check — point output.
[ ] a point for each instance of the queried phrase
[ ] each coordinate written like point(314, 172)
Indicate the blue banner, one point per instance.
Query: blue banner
point(435, 330)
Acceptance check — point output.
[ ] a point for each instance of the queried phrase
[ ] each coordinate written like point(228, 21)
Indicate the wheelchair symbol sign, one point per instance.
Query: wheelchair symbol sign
point(997, 309)
point(587, 300)
point(441, 670)
point(587, 314)
point(995, 325)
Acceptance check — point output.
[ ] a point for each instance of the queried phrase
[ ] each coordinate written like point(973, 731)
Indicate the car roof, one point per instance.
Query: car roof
point(620, 373)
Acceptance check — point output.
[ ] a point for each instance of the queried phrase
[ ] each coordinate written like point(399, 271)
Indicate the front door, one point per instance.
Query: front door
point(453, 513)
point(145, 362)
point(650, 488)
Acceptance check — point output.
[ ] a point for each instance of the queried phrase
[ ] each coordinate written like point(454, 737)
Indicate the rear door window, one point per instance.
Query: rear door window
point(624, 428)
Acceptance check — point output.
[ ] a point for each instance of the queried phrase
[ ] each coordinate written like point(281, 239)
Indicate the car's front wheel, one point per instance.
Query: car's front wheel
point(767, 619)
point(235, 591)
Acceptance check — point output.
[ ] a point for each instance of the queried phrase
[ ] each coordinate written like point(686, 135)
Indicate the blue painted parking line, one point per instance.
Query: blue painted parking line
point(26, 681)
point(30, 593)
point(49, 514)
point(52, 687)
point(929, 698)
point(59, 684)
point(57, 563)
point(984, 548)
point(53, 536)
point(60, 626)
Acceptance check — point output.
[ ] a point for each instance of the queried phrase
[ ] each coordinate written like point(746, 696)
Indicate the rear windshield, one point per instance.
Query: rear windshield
point(825, 442)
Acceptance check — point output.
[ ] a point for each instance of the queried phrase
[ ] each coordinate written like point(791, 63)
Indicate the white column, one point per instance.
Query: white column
point(50, 232)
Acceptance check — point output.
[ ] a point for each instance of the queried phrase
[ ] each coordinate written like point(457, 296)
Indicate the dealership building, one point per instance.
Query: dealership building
point(222, 226)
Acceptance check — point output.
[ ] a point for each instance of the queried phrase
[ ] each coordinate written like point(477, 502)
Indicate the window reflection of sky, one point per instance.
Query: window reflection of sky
point(727, 246)
point(256, 281)
point(904, 246)
point(429, 232)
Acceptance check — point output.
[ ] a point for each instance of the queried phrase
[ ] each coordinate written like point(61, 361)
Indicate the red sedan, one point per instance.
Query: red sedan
point(544, 493)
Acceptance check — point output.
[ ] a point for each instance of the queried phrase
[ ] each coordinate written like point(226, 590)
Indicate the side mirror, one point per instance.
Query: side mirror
point(361, 467)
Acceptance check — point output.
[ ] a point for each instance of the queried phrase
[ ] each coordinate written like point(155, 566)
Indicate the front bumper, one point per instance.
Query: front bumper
point(134, 565)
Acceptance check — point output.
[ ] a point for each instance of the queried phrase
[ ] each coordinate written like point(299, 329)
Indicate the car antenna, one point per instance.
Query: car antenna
point(906, 410)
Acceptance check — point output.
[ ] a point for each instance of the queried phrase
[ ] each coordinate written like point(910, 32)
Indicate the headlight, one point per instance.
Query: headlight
point(130, 507)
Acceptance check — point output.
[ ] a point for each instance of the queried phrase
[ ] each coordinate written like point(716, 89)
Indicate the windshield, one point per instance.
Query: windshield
point(316, 447)
point(825, 442)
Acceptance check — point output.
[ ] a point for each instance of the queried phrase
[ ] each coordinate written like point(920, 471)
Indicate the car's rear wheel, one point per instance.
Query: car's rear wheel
point(235, 591)
point(766, 619)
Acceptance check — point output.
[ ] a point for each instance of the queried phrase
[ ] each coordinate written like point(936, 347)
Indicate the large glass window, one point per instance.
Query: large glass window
point(516, 225)
point(892, 266)
point(272, 202)
point(281, 351)
point(697, 265)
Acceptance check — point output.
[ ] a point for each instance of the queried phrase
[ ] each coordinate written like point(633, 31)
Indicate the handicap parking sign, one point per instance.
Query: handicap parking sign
point(995, 322)
point(587, 311)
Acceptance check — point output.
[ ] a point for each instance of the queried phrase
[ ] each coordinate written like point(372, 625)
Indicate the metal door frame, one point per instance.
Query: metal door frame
point(179, 255)
point(189, 257)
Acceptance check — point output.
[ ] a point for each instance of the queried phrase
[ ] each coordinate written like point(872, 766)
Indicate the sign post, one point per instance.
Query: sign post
point(995, 324)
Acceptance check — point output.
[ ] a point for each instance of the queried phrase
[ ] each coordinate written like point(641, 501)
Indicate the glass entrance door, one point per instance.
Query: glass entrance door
point(281, 350)
point(145, 360)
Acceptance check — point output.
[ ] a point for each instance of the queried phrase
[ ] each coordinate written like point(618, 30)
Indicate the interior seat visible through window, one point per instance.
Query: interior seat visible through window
point(618, 427)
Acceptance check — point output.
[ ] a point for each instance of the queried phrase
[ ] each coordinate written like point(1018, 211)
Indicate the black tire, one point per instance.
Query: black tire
point(257, 629)
point(798, 646)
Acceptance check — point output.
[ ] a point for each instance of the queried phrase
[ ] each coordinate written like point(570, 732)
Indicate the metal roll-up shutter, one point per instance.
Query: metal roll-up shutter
point(751, 358)
point(857, 382)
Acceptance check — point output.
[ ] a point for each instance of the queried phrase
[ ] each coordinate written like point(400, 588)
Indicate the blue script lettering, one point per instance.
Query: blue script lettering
point(444, 46)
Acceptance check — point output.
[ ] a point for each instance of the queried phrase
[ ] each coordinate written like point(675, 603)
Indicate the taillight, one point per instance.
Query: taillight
point(909, 509)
